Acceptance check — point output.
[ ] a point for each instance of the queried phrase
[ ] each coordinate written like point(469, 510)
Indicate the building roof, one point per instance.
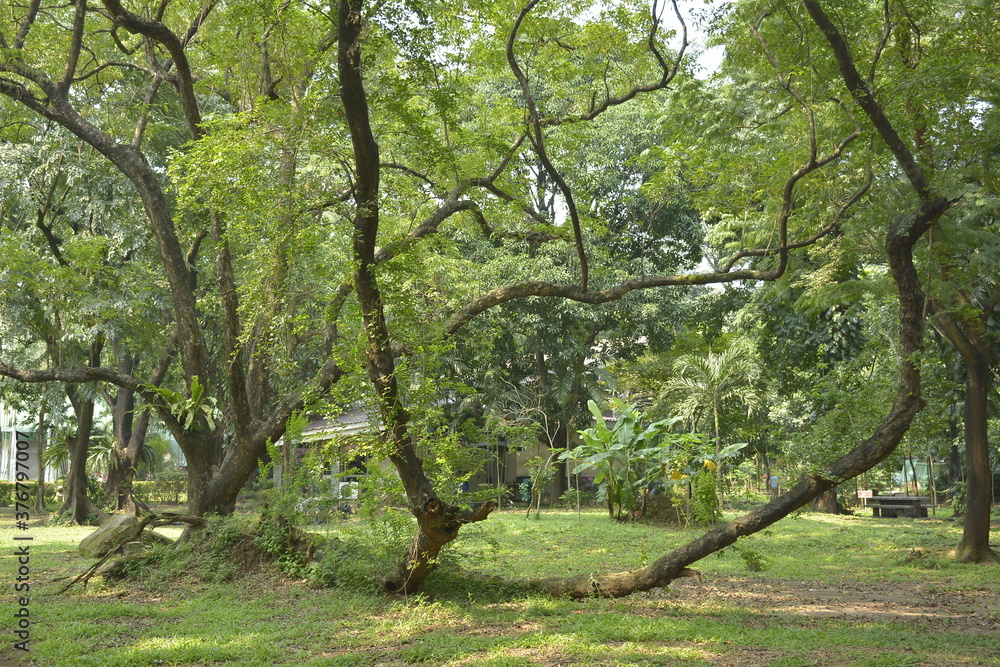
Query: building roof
point(351, 422)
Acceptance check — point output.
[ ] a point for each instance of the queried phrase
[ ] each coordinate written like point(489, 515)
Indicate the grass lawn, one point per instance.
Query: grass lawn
point(836, 591)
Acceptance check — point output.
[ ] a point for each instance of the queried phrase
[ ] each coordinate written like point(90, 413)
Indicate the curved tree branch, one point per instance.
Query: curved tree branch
point(94, 374)
point(786, 209)
point(901, 237)
point(866, 100)
point(500, 295)
point(668, 72)
point(537, 138)
point(161, 34)
point(26, 23)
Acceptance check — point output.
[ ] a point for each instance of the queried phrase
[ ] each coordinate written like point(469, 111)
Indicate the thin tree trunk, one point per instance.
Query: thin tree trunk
point(954, 467)
point(437, 522)
point(77, 503)
point(40, 439)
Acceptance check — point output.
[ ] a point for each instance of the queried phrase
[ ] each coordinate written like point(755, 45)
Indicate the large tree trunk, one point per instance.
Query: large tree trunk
point(974, 546)
point(826, 502)
point(119, 486)
point(203, 496)
point(437, 525)
point(969, 334)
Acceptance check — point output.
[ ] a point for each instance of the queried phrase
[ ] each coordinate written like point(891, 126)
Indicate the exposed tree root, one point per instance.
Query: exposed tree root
point(134, 534)
point(986, 556)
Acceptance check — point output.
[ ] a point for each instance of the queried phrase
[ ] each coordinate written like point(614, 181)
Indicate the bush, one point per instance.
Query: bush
point(168, 488)
point(7, 491)
point(705, 503)
point(750, 552)
point(363, 552)
point(224, 549)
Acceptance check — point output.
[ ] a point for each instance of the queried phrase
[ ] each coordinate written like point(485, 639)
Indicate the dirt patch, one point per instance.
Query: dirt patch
point(966, 611)
point(248, 557)
point(11, 657)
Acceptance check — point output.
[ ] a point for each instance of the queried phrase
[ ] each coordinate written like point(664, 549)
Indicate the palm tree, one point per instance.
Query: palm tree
point(703, 385)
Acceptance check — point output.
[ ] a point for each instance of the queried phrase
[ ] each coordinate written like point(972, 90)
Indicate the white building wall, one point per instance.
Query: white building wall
point(19, 445)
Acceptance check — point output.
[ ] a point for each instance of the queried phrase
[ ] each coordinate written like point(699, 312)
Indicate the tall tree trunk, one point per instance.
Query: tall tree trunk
point(118, 487)
point(40, 440)
point(437, 522)
point(969, 334)
point(974, 546)
point(77, 503)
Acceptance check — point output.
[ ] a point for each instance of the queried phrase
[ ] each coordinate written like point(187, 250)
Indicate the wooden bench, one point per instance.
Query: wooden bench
point(899, 506)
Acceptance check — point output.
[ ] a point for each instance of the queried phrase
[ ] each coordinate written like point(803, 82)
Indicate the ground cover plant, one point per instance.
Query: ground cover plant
point(815, 589)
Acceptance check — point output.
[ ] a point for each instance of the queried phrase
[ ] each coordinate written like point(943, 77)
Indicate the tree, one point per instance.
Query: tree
point(707, 385)
point(52, 91)
point(904, 232)
point(76, 268)
point(944, 119)
point(963, 314)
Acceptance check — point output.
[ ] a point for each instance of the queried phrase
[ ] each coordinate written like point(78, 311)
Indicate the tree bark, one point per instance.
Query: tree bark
point(826, 503)
point(130, 430)
point(77, 503)
point(968, 333)
point(40, 439)
point(974, 547)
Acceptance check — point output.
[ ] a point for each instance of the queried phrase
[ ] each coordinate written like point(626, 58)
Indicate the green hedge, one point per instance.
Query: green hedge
point(7, 490)
point(169, 488)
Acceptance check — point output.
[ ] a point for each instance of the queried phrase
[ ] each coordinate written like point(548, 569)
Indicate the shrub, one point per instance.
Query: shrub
point(705, 500)
point(168, 487)
point(362, 552)
point(221, 551)
point(7, 490)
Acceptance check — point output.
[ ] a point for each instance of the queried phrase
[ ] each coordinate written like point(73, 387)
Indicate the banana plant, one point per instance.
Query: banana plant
point(626, 457)
point(631, 456)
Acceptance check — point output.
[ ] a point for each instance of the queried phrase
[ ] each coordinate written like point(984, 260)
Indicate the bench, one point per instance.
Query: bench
point(899, 506)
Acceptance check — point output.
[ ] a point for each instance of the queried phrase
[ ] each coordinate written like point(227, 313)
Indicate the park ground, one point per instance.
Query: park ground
point(832, 590)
